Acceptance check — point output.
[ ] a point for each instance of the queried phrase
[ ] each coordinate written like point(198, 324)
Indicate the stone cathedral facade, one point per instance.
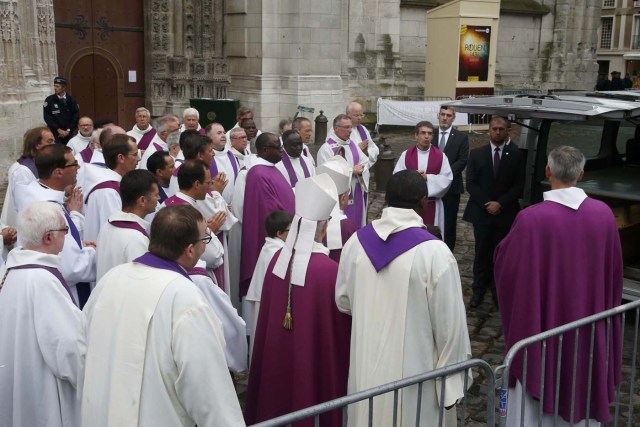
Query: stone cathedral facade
point(272, 55)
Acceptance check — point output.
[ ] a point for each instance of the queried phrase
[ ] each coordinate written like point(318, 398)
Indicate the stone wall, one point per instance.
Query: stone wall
point(27, 67)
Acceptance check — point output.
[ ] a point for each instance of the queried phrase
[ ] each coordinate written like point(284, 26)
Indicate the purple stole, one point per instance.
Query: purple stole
point(72, 227)
point(29, 163)
point(155, 261)
point(175, 171)
point(86, 154)
point(199, 271)
point(213, 169)
point(355, 208)
point(293, 177)
point(362, 132)
point(158, 147)
point(434, 164)
point(51, 270)
point(175, 200)
point(114, 185)
point(381, 252)
point(146, 139)
point(202, 131)
point(131, 225)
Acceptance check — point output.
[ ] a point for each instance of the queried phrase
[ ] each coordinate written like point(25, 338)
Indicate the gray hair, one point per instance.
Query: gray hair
point(161, 124)
point(35, 220)
point(190, 112)
point(566, 163)
point(235, 131)
point(173, 139)
point(95, 138)
point(142, 109)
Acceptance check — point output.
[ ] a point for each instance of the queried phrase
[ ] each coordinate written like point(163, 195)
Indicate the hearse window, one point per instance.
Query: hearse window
point(625, 133)
point(586, 136)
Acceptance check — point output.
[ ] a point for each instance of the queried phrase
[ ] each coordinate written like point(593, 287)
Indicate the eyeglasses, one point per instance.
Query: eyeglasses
point(206, 240)
point(72, 165)
point(65, 229)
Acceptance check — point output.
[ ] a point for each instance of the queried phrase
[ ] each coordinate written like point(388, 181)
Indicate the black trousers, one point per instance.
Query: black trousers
point(487, 238)
point(451, 203)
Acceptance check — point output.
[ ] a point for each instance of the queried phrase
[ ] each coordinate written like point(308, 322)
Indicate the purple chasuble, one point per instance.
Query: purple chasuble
point(86, 154)
point(155, 261)
point(309, 364)
point(175, 200)
point(114, 185)
point(266, 190)
point(131, 225)
point(144, 142)
point(29, 163)
point(547, 276)
point(347, 228)
point(293, 176)
point(434, 164)
point(381, 252)
point(51, 270)
point(357, 198)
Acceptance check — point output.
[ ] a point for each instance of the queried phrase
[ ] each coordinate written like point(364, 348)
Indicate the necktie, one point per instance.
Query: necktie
point(496, 161)
point(443, 140)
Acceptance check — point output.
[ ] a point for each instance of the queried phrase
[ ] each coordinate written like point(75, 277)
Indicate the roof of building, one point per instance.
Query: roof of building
point(524, 7)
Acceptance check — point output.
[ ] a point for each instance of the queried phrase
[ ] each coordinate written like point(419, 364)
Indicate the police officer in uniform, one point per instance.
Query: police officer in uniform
point(61, 112)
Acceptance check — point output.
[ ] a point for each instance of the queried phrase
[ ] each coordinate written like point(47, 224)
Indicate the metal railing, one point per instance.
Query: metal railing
point(617, 316)
point(395, 387)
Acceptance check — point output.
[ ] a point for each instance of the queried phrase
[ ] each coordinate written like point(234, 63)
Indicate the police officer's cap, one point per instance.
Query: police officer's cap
point(60, 81)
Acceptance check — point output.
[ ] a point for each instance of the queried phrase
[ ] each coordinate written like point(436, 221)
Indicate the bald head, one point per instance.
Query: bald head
point(355, 112)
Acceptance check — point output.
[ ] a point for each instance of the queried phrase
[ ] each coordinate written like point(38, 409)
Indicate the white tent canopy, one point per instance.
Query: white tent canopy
point(409, 113)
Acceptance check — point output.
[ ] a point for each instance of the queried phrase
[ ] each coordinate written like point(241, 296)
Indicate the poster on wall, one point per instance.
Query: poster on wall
point(473, 65)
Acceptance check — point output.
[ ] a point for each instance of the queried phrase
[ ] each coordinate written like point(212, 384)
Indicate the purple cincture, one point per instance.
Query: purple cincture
point(381, 252)
point(155, 261)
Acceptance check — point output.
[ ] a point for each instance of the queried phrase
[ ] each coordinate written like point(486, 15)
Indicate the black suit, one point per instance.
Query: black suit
point(61, 114)
point(505, 188)
point(457, 151)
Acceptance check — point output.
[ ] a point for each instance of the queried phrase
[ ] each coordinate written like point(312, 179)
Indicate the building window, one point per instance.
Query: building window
point(606, 25)
point(608, 3)
point(635, 35)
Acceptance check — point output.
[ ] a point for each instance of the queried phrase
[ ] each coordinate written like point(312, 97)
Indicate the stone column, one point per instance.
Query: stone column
point(184, 59)
point(285, 53)
point(27, 68)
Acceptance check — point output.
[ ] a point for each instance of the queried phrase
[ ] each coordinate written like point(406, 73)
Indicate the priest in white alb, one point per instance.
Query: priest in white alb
point(402, 288)
point(294, 166)
point(151, 348)
point(39, 324)
point(142, 131)
point(223, 161)
point(360, 134)
point(434, 167)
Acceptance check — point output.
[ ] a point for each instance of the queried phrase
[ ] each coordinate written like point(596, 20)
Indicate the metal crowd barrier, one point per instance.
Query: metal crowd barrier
point(395, 387)
point(574, 328)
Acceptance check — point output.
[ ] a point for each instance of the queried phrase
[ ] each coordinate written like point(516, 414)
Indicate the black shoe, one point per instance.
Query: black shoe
point(476, 300)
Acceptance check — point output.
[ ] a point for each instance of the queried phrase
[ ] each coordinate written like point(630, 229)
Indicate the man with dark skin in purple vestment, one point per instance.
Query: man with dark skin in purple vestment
point(266, 191)
point(562, 261)
point(301, 348)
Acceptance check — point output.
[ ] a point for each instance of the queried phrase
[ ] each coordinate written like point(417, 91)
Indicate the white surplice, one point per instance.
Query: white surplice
point(17, 175)
point(38, 353)
point(223, 163)
point(269, 249)
point(232, 324)
point(297, 167)
point(152, 149)
point(138, 133)
point(116, 246)
point(326, 152)
point(438, 185)
point(152, 354)
point(408, 319)
point(372, 148)
point(77, 262)
point(102, 202)
point(78, 143)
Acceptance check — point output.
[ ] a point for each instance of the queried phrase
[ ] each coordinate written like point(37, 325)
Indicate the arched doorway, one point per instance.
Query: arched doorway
point(95, 85)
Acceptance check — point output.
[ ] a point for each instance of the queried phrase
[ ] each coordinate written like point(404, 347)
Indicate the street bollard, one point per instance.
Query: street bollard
point(321, 129)
point(384, 165)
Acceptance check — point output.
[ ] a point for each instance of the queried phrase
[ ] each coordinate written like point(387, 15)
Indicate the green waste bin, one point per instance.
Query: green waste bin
point(222, 111)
